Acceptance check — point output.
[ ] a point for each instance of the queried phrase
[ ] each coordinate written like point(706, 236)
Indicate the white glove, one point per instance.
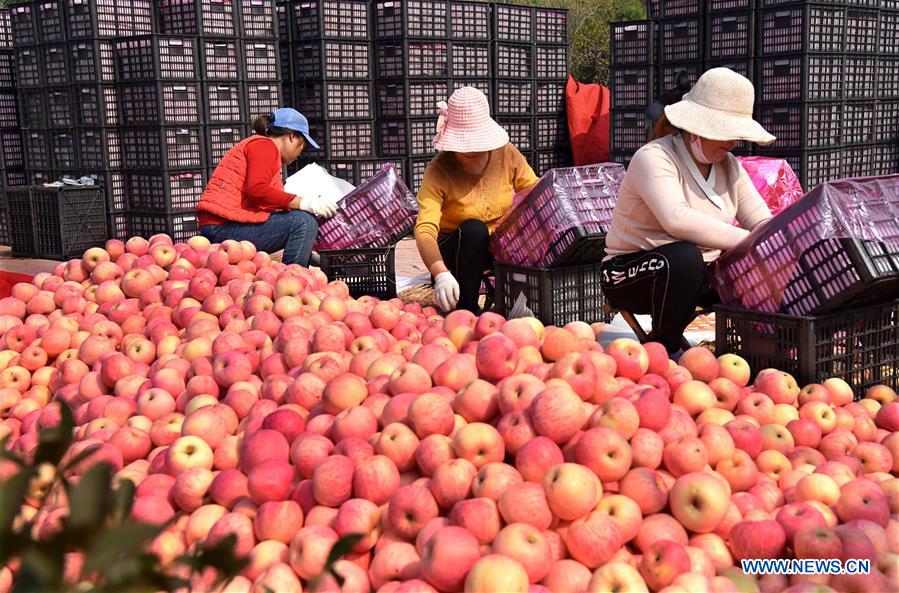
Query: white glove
point(321, 206)
point(447, 290)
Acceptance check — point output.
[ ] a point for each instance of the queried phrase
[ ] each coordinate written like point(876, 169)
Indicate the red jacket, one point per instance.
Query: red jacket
point(225, 198)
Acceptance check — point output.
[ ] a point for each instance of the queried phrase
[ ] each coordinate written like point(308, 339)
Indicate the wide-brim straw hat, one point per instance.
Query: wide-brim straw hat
point(719, 107)
point(465, 124)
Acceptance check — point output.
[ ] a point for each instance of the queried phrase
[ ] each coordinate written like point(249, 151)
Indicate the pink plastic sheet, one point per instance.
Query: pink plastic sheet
point(378, 213)
point(837, 246)
point(774, 179)
point(568, 206)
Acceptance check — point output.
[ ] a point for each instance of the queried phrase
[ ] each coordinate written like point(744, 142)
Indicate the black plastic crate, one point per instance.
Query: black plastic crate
point(117, 225)
point(514, 97)
point(412, 19)
point(157, 57)
point(112, 182)
point(730, 35)
point(164, 191)
point(14, 178)
point(713, 6)
point(416, 172)
point(40, 176)
point(4, 226)
point(521, 131)
point(263, 98)
point(343, 139)
point(33, 108)
point(332, 19)
point(8, 67)
point(257, 19)
point(220, 139)
point(221, 60)
point(860, 344)
point(860, 77)
point(809, 28)
point(51, 20)
point(24, 29)
point(65, 149)
point(215, 18)
point(812, 167)
point(802, 125)
point(483, 85)
point(224, 103)
point(885, 158)
point(341, 60)
point(514, 60)
point(555, 296)
point(411, 137)
point(335, 99)
point(682, 8)
point(29, 70)
point(6, 41)
point(513, 23)
point(365, 271)
point(556, 158)
point(889, 32)
point(632, 87)
point(180, 227)
point(60, 107)
point(20, 219)
point(622, 158)
point(469, 20)
point(284, 21)
point(68, 221)
point(38, 153)
point(551, 25)
point(800, 78)
point(410, 98)
point(89, 19)
point(101, 148)
point(470, 60)
point(413, 59)
point(9, 113)
point(628, 130)
point(551, 62)
point(888, 77)
point(260, 60)
point(633, 42)
point(357, 171)
point(93, 62)
point(96, 105)
point(886, 122)
point(56, 65)
point(13, 149)
point(742, 67)
point(551, 133)
point(285, 59)
point(166, 147)
point(681, 40)
point(862, 27)
point(859, 126)
point(550, 97)
point(160, 103)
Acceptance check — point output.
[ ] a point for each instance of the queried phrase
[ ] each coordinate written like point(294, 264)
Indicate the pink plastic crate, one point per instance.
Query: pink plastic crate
point(378, 213)
point(774, 179)
point(563, 220)
point(835, 247)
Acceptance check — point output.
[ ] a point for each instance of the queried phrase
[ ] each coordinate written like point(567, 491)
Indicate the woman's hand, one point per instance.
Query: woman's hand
point(447, 291)
point(320, 206)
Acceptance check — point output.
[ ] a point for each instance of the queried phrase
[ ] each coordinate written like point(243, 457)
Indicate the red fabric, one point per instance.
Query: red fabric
point(588, 121)
point(246, 186)
point(10, 279)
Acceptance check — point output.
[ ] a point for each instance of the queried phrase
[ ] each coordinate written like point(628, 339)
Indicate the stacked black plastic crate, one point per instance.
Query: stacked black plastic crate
point(331, 79)
point(551, 141)
point(11, 159)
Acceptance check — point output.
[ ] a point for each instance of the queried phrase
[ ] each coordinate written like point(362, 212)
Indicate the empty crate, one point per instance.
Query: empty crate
point(344, 139)
point(513, 23)
point(157, 57)
point(335, 99)
point(332, 19)
point(164, 191)
point(413, 59)
point(469, 20)
point(412, 98)
point(161, 103)
point(214, 18)
point(163, 147)
point(406, 137)
point(470, 60)
point(423, 19)
point(333, 59)
point(810, 28)
point(68, 221)
point(633, 42)
point(367, 271)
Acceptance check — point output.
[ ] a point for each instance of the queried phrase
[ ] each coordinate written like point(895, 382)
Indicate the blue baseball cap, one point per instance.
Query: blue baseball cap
point(291, 119)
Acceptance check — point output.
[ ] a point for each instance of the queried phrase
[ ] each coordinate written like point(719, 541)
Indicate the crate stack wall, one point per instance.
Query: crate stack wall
point(551, 141)
point(12, 171)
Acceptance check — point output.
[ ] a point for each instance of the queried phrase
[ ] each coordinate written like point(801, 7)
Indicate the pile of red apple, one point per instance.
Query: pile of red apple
point(247, 397)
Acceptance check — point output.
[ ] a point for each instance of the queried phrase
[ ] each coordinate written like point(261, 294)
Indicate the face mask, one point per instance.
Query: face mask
point(696, 147)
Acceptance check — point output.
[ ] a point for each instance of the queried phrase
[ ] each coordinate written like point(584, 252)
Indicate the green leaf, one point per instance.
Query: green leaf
point(7, 454)
point(343, 547)
point(12, 497)
point(122, 541)
point(219, 556)
point(55, 441)
point(122, 501)
point(88, 500)
point(42, 568)
point(81, 456)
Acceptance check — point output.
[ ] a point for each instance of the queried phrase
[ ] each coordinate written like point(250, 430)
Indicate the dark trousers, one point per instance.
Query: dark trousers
point(466, 252)
point(292, 231)
point(667, 283)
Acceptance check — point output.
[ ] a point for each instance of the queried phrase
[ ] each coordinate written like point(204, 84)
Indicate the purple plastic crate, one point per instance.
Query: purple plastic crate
point(837, 246)
point(562, 221)
point(376, 214)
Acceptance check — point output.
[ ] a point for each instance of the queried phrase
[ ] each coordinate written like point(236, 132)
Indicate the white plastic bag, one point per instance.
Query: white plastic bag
point(313, 180)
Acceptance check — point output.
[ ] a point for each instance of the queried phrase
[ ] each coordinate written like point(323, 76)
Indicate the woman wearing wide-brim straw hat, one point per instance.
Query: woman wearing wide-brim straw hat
point(466, 189)
point(677, 203)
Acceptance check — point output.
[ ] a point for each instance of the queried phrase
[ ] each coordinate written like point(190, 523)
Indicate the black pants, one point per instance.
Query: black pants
point(667, 283)
point(466, 252)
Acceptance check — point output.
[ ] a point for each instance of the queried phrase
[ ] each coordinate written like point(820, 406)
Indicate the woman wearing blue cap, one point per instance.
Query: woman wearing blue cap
point(245, 199)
